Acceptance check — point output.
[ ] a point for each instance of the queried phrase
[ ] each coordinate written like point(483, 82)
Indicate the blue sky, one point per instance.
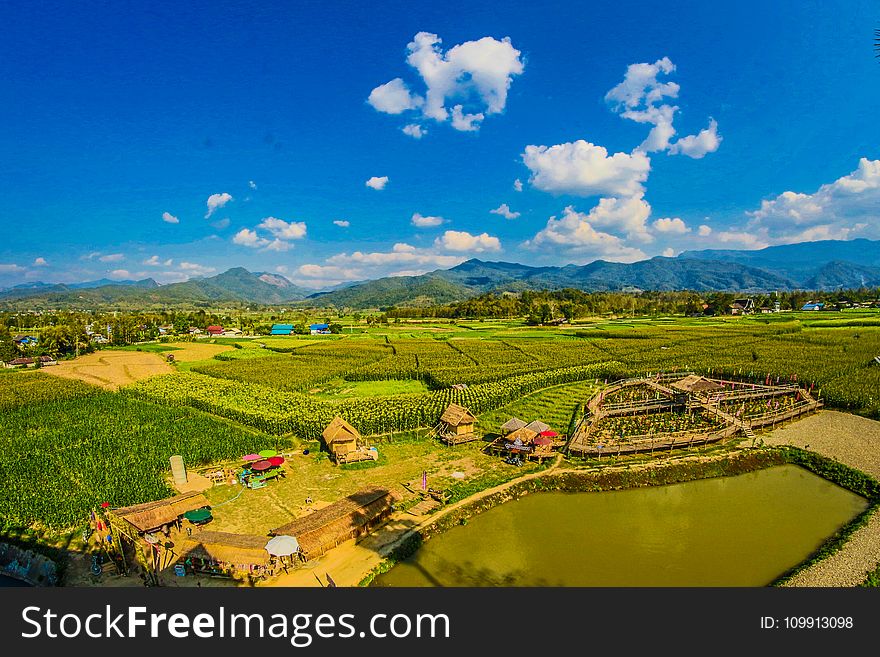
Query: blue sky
point(740, 126)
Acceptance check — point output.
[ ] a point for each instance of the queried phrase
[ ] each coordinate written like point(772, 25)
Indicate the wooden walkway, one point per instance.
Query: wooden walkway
point(581, 441)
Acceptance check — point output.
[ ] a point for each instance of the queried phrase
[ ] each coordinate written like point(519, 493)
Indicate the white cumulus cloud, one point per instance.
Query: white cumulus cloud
point(155, 261)
point(458, 240)
point(517, 185)
point(696, 146)
point(284, 230)
point(394, 97)
point(704, 230)
point(377, 182)
point(342, 223)
point(421, 221)
point(169, 218)
point(40, 262)
point(249, 238)
point(574, 233)
point(505, 211)
point(585, 169)
point(477, 74)
point(112, 257)
point(414, 130)
point(217, 201)
point(195, 269)
point(672, 225)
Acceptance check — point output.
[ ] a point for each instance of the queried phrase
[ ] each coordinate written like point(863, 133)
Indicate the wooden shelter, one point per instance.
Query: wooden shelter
point(342, 441)
point(512, 424)
point(695, 384)
point(524, 435)
point(150, 516)
point(225, 553)
point(349, 518)
point(456, 425)
point(537, 426)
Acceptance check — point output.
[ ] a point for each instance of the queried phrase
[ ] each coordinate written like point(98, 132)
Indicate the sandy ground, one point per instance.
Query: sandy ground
point(855, 441)
point(111, 369)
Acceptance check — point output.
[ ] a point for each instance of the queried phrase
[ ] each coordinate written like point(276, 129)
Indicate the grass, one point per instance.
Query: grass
point(312, 475)
point(342, 389)
point(553, 406)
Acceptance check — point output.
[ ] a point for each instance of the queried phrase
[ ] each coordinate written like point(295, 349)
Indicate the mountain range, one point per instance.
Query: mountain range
point(825, 265)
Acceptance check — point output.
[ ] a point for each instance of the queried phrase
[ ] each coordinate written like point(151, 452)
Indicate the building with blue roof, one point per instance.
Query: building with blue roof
point(319, 329)
point(282, 329)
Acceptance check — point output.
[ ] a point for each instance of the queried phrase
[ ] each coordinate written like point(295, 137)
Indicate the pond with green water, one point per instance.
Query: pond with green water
point(744, 530)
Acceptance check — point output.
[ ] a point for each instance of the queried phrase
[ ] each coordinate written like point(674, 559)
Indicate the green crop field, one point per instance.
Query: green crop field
point(69, 446)
point(73, 446)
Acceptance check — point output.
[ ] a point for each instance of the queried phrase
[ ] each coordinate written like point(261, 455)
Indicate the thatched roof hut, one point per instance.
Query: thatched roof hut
point(456, 415)
point(152, 515)
point(512, 424)
point(241, 550)
point(340, 436)
point(341, 521)
point(523, 434)
point(537, 426)
point(695, 384)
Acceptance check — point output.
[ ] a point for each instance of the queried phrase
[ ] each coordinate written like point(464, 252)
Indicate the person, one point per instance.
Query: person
point(309, 499)
point(189, 531)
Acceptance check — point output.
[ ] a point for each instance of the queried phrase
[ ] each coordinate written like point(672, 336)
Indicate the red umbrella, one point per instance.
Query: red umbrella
point(259, 466)
point(105, 505)
point(548, 434)
point(276, 460)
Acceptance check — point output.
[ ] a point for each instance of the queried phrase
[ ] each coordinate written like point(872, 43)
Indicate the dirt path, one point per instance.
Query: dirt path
point(855, 441)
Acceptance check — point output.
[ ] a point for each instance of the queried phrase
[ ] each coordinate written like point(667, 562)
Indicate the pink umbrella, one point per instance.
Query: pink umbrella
point(251, 457)
point(259, 466)
point(276, 460)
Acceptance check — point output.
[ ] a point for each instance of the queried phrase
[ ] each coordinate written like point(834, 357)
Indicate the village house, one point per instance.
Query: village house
point(282, 329)
point(214, 330)
point(319, 329)
point(30, 362)
point(742, 307)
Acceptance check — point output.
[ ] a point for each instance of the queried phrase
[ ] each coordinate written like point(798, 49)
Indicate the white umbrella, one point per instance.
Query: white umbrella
point(282, 546)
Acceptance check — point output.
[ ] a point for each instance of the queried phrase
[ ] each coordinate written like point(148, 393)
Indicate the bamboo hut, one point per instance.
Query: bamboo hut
point(511, 425)
point(456, 425)
point(342, 442)
point(349, 518)
point(521, 439)
point(150, 516)
point(223, 553)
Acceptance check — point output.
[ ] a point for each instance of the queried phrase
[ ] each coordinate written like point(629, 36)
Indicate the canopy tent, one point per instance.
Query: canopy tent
point(537, 426)
point(251, 457)
point(261, 466)
point(268, 453)
point(282, 546)
point(198, 516)
point(548, 434)
point(276, 460)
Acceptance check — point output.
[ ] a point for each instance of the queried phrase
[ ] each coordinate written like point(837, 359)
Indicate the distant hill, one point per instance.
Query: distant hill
point(826, 265)
point(802, 261)
point(236, 285)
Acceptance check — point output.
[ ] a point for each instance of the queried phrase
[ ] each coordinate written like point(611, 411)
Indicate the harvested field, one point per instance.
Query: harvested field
point(111, 369)
point(855, 441)
point(188, 352)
